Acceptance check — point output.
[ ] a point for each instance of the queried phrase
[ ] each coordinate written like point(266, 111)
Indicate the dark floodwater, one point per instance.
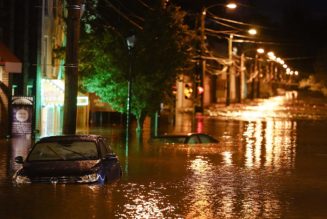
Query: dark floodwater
point(271, 162)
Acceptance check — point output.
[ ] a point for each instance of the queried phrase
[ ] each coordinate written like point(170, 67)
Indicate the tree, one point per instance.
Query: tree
point(162, 51)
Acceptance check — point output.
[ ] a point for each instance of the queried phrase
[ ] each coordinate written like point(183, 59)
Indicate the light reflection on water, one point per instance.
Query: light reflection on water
point(200, 191)
point(273, 141)
point(269, 167)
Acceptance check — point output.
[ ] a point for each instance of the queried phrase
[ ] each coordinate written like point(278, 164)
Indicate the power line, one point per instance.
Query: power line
point(124, 16)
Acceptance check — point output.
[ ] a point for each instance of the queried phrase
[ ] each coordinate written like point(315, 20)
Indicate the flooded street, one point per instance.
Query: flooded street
point(271, 162)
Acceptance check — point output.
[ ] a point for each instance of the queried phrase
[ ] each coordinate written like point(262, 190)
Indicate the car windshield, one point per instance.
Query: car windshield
point(68, 150)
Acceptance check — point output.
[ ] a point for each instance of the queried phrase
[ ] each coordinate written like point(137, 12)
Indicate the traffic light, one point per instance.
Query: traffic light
point(188, 90)
point(200, 90)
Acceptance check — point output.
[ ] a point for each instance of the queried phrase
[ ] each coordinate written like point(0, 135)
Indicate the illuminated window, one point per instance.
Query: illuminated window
point(13, 89)
point(29, 90)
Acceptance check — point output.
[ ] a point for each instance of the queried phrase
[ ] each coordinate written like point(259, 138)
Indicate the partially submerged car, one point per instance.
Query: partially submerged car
point(188, 138)
point(69, 159)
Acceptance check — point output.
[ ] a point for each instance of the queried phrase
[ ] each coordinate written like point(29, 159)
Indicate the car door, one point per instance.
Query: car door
point(110, 161)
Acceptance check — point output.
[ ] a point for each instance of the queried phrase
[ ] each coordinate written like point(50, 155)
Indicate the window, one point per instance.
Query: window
point(70, 150)
point(29, 89)
point(207, 139)
point(13, 89)
point(103, 149)
point(193, 140)
point(107, 146)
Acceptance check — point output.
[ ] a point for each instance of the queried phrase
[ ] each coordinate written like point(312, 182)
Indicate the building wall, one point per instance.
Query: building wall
point(4, 111)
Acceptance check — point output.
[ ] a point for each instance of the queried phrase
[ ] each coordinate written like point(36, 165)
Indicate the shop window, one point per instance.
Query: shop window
point(29, 90)
point(14, 89)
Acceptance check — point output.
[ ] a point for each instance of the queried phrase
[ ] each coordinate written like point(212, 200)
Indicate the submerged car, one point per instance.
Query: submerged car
point(189, 138)
point(69, 159)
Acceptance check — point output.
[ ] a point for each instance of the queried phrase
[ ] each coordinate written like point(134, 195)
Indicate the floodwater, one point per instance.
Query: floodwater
point(271, 162)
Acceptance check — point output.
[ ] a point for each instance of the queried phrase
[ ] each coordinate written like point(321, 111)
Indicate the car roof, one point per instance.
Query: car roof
point(70, 137)
point(181, 134)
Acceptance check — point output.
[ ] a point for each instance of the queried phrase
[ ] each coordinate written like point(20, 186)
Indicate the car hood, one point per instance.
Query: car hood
point(60, 168)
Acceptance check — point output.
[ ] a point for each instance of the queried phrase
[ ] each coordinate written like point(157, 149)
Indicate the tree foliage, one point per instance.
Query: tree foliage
point(162, 51)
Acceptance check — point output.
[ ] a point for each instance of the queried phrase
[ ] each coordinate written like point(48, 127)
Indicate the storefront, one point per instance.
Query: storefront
point(52, 98)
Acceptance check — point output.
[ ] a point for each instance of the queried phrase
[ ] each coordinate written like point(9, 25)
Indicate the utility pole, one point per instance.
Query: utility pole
point(229, 72)
point(71, 65)
point(253, 81)
point(242, 79)
point(202, 66)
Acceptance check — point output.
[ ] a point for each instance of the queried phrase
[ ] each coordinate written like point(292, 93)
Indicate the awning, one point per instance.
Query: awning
point(10, 62)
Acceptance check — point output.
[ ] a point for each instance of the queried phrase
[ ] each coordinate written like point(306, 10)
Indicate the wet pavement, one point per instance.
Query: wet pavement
point(271, 162)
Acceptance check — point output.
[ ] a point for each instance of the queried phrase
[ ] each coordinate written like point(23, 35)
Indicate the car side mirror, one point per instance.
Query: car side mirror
point(19, 159)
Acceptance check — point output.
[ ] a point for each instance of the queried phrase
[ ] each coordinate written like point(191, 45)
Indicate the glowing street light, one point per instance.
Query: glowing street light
point(252, 31)
point(231, 34)
point(231, 5)
point(260, 50)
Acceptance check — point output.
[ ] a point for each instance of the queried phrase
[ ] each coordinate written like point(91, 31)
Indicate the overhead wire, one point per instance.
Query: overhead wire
point(215, 17)
point(130, 11)
point(124, 16)
point(145, 5)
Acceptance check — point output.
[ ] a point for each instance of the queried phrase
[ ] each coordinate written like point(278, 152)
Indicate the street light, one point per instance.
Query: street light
point(252, 31)
point(231, 34)
point(130, 45)
point(231, 6)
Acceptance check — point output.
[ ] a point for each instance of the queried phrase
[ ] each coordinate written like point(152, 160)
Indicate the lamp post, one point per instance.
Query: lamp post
point(230, 61)
point(231, 35)
point(230, 6)
point(130, 45)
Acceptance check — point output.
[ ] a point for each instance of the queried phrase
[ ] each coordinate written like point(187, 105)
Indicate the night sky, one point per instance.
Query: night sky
point(299, 27)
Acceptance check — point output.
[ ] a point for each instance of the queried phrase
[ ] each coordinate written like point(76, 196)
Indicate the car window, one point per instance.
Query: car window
point(177, 140)
point(105, 142)
point(206, 139)
point(72, 150)
point(193, 139)
point(103, 148)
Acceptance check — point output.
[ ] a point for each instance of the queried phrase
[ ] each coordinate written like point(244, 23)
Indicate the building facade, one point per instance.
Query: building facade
point(35, 32)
